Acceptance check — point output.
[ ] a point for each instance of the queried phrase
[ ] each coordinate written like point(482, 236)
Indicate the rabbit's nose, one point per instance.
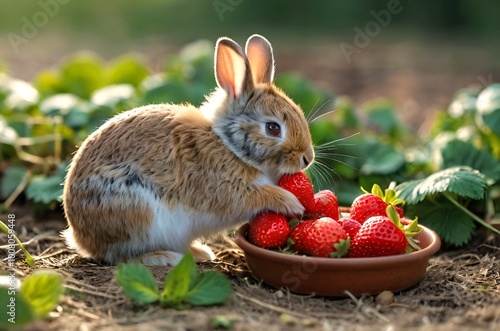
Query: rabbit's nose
point(307, 158)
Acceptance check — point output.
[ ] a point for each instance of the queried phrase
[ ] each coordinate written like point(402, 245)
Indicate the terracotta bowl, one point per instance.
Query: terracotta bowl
point(332, 277)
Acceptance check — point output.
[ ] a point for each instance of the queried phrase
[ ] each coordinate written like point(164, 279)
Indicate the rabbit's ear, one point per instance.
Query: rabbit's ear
point(260, 55)
point(232, 70)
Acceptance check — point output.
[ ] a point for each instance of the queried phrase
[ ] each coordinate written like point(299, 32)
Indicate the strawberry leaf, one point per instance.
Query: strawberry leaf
point(178, 282)
point(451, 224)
point(42, 290)
point(380, 159)
point(138, 282)
point(210, 288)
point(463, 181)
point(458, 152)
point(16, 310)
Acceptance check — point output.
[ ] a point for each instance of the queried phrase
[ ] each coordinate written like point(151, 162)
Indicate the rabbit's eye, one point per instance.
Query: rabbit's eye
point(273, 129)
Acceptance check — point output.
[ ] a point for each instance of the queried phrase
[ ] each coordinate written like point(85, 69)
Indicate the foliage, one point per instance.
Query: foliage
point(37, 296)
point(43, 122)
point(184, 285)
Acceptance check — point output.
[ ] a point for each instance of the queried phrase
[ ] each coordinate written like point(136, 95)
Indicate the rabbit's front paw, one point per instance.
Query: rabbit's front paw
point(291, 206)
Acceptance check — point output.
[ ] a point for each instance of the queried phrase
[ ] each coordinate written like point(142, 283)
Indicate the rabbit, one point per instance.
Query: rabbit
point(152, 181)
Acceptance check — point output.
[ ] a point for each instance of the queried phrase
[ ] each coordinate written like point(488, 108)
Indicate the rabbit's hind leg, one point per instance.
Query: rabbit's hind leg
point(158, 258)
point(201, 252)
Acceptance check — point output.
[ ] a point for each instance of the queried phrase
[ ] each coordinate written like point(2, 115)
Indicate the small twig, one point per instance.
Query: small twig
point(40, 257)
point(490, 246)
point(45, 235)
point(366, 309)
point(89, 292)
point(18, 190)
point(275, 308)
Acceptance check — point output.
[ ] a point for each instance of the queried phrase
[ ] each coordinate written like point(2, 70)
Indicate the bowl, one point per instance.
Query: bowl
point(333, 277)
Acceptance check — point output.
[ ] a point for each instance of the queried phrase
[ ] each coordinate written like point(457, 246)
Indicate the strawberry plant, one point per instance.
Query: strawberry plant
point(32, 300)
point(184, 286)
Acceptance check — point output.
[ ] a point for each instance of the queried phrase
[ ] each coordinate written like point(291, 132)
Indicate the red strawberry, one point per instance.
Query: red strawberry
point(350, 226)
point(326, 204)
point(374, 204)
point(269, 230)
point(299, 233)
point(383, 235)
point(300, 186)
point(323, 237)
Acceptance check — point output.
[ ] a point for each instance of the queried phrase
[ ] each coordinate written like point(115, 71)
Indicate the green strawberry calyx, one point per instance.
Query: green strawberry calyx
point(341, 248)
point(410, 230)
point(389, 196)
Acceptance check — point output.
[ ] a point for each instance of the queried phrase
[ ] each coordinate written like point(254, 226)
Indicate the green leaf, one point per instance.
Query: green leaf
point(111, 96)
point(463, 181)
point(178, 282)
point(451, 224)
point(11, 179)
point(8, 135)
point(22, 95)
point(82, 74)
point(464, 101)
point(42, 290)
point(127, 69)
point(381, 159)
point(223, 322)
point(59, 104)
point(460, 153)
point(16, 312)
point(488, 107)
point(210, 288)
point(381, 117)
point(45, 189)
point(137, 282)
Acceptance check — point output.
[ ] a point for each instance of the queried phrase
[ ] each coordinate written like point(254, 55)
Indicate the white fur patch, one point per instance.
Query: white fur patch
point(171, 229)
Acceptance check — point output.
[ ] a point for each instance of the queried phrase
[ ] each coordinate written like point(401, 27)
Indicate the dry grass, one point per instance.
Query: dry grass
point(461, 290)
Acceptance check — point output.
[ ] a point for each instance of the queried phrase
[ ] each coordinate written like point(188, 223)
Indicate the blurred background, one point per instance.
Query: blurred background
point(417, 53)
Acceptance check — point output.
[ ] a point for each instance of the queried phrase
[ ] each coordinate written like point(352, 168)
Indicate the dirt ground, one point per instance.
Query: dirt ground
point(460, 291)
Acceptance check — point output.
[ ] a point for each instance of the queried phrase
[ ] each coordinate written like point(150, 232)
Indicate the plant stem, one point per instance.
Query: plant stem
point(19, 189)
point(470, 214)
point(29, 259)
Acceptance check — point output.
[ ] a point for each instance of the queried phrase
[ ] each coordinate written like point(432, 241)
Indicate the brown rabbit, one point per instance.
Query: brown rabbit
point(150, 181)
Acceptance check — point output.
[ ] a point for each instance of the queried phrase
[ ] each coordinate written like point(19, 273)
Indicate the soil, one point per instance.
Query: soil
point(460, 290)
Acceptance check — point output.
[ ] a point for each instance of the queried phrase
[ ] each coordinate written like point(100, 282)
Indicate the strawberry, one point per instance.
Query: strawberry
point(323, 237)
point(300, 186)
point(350, 226)
point(299, 233)
point(269, 230)
point(326, 204)
point(384, 235)
point(374, 204)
